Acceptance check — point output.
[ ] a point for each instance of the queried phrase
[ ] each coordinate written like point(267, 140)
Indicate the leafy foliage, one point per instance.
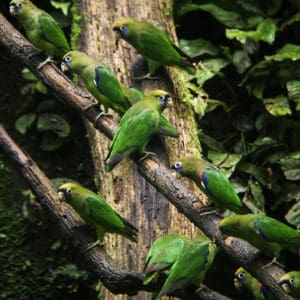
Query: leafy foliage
point(249, 71)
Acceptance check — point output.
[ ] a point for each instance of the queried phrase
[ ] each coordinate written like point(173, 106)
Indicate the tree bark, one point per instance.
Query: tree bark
point(124, 188)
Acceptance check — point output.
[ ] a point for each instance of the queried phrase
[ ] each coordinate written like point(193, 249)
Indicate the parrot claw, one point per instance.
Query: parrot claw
point(146, 154)
point(93, 245)
point(101, 115)
point(273, 261)
point(46, 61)
point(147, 76)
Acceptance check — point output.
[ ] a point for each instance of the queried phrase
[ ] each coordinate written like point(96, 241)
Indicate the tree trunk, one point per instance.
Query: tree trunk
point(124, 188)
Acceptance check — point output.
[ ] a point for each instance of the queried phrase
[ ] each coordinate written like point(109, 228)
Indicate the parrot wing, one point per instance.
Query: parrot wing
point(52, 33)
point(220, 188)
point(135, 129)
point(101, 213)
point(274, 231)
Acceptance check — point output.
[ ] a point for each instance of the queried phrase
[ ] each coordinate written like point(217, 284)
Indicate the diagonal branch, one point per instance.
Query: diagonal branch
point(156, 173)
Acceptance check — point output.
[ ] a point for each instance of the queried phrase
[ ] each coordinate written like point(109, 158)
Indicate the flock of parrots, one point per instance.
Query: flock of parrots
point(184, 260)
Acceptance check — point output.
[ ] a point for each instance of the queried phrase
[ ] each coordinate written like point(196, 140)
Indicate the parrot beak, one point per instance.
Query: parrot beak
point(12, 9)
point(61, 195)
point(64, 67)
point(286, 287)
point(170, 102)
point(237, 284)
point(175, 174)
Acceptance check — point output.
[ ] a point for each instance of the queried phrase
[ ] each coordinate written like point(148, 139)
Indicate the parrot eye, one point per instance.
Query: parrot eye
point(19, 5)
point(68, 58)
point(123, 28)
point(178, 165)
point(292, 281)
point(68, 191)
point(241, 275)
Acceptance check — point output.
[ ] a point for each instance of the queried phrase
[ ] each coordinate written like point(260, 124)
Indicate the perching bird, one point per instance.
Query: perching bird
point(244, 281)
point(41, 29)
point(99, 80)
point(106, 88)
point(96, 212)
point(191, 265)
point(211, 181)
point(267, 234)
point(136, 127)
point(153, 44)
point(290, 283)
point(162, 255)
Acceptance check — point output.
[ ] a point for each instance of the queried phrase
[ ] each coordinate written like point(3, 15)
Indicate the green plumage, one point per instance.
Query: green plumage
point(152, 43)
point(96, 212)
point(211, 181)
point(41, 29)
point(162, 254)
point(244, 281)
point(99, 80)
point(265, 233)
point(136, 127)
point(106, 88)
point(290, 283)
point(191, 265)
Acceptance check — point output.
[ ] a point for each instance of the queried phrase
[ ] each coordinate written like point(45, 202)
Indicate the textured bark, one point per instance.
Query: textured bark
point(124, 188)
point(151, 169)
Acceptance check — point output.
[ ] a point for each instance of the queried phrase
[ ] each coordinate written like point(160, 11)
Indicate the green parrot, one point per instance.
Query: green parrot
point(136, 127)
point(162, 254)
point(191, 265)
point(211, 181)
point(96, 212)
point(267, 234)
point(99, 80)
point(106, 88)
point(41, 29)
point(153, 44)
point(244, 281)
point(290, 283)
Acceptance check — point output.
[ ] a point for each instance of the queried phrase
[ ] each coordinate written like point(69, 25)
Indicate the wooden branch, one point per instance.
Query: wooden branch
point(157, 174)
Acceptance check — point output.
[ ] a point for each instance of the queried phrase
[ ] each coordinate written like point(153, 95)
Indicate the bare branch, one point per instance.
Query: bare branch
point(157, 174)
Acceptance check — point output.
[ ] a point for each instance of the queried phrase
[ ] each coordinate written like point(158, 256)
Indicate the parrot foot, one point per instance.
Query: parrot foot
point(146, 154)
point(201, 288)
point(46, 61)
point(273, 261)
point(101, 115)
point(93, 245)
point(147, 76)
point(209, 213)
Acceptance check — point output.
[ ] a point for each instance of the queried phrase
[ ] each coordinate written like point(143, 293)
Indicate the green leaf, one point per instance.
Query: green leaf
point(28, 75)
point(40, 87)
point(63, 6)
point(260, 173)
point(288, 51)
point(198, 47)
point(54, 123)
point(265, 31)
point(211, 143)
point(294, 19)
point(209, 68)
point(293, 89)
point(278, 106)
point(216, 157)
point(228, 18)
point(24, 122)
point(241, 61)
point(258, 199)
point(293, 215)
point(290, 165)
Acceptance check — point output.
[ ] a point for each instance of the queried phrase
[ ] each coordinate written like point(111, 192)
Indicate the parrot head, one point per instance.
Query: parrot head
point(67, 191)
point(65, 64)
point(231, 225)
point(189, 166)
point(239, 279)
point(15, 7)
point(74, 61)
point(163, 98)
point(121, 27)
point(287, 283)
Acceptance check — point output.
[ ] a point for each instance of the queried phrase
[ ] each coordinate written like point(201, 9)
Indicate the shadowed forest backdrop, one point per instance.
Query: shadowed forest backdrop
point(245, 96)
